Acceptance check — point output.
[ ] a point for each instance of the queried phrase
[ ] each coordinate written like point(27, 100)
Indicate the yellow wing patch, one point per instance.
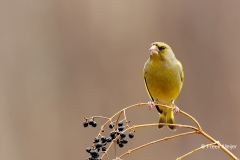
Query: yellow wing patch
point(181, 71)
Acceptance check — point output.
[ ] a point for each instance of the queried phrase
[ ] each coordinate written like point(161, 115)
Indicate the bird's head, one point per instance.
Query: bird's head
point(161, 51)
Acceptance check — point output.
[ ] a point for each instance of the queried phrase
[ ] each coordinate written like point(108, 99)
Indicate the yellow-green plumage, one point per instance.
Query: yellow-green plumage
point(163, 77)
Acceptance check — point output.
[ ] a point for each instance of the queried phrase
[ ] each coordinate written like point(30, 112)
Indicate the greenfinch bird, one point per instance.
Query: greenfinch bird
point(163, 77)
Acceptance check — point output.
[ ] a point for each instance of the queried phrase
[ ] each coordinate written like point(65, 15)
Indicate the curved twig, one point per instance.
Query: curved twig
point(186, 114)
point(219, 144)
point(195, 150)
point(163, 139)
point(148, 125)
point(196, 130)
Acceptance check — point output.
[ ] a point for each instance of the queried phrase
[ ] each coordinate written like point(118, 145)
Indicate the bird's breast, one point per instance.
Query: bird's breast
point(163, 81)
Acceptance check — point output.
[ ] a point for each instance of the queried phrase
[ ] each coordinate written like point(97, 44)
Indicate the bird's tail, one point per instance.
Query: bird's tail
point(162, 119)
point(167, 117)
point(170, 119)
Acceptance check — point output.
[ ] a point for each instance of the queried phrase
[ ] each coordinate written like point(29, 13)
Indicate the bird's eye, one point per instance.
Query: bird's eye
point(162, 48)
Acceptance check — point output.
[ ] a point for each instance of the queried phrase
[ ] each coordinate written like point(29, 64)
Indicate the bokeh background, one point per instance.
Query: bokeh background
point(63, 60)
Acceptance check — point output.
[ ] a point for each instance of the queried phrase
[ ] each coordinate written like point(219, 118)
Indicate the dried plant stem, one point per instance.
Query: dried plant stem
point(186, 114)
point(108, 150)
point(100, 117)
point(219, 144)
point(124, 113)
point(203, 133)
point(195, 150)
point(196, 130)
point(164, 124)
point(149, 125)
point(118, 118)
point(107, 157)
point(163, 139)
point(125, 118)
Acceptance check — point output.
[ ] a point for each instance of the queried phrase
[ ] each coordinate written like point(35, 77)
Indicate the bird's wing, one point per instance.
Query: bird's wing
point(181, 71)
point(149, 93)
point(145, 82)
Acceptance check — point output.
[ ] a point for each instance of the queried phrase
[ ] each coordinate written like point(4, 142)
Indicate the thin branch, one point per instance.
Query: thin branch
point(107, 150)
point(125, 118)
point(164, 124)
point(197, 130)
point(195, 150)
point(220, 145)
point(124, 113)
point(118, 119)
point(150, 143)
point(107, 156)
point(100, 117)
point(110, 119)
point(148, 125)
point(180, 111)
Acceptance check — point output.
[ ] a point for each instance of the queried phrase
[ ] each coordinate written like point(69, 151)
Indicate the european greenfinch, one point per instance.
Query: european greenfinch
point(163, 77)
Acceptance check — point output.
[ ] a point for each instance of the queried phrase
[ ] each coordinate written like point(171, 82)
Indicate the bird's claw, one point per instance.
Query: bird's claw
point(151, 105)
point(175, 109)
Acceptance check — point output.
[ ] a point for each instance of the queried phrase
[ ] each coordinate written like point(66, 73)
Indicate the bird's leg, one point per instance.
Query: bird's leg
point(151, 105)
point(175, 109)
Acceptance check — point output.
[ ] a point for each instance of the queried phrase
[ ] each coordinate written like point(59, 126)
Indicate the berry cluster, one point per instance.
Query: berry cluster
point(90, 122)
point(121, 140)
point(99, 143)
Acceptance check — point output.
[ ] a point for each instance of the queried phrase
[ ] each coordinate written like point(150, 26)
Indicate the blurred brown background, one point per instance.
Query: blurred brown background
point(63, 60)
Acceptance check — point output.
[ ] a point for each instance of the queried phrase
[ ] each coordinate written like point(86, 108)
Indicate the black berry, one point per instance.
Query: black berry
point(120, 128)
point(96, 139)
point(120, 124)
point(111, 125)
point(104, 149)
point(112, 134)
point(85, 124)
point(120, 145)
point(109, 139)
point(122, 135)
point(90, 122)
point(104, 139)
point(98, 145)
point(91, 158)
point(94, 153)
point(94, 124)
point(118, 141)
point(88, 149)
point(131, 135)
point(124, 141)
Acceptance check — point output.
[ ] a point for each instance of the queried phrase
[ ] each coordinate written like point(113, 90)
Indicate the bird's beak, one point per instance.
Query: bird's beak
point(154, 49)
